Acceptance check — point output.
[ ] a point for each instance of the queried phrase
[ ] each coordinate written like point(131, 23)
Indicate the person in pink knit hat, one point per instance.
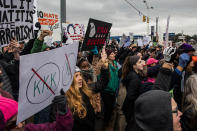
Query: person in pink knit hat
point(151, 62)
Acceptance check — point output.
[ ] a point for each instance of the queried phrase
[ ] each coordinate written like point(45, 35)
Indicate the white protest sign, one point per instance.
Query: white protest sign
point(16, 20)
point(42, 75)
point(73, 31)
point(49, 17)
point(123, 39)
point(146, 40)
point(139, 41)
point(167, 28)
point(131, 36)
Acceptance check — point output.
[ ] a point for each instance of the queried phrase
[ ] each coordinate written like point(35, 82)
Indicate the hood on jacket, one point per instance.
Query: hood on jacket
point(153, 111)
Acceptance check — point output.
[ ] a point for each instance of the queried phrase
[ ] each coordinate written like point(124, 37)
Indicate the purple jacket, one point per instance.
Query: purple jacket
point(62, 123)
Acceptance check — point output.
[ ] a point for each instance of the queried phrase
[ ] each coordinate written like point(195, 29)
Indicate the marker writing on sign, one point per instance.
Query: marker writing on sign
point(68, 64)
point(43, 81)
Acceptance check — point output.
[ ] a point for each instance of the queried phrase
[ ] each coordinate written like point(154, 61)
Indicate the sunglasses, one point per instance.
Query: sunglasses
point(175, 111)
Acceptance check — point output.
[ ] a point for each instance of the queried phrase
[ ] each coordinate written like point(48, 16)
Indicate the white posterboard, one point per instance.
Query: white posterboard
point(139, 42)
point(73, 31)
point(49, 17)
point(146, 40)
point(131, 36)
point(167, 35)
point(16, 20)
point(55, 67)
point(122, 40)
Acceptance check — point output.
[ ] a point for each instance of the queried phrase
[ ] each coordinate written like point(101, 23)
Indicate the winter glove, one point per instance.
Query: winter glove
point(183, 60)
point(60, 103)
point(168, 52)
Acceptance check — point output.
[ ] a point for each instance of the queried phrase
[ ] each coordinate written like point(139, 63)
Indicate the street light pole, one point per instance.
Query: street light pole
point(63, 15)
point(148, 15)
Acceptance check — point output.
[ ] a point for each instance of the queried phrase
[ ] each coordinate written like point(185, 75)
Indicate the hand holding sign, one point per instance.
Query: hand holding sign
point(104, 58)
point(15, 46)
point(45, 33)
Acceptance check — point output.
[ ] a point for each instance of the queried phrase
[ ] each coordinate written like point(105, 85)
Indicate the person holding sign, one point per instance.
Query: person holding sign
point(109, 92)
point(39, 43)
point(10, 63)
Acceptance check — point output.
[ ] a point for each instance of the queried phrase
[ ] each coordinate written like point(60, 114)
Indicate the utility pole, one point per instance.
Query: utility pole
point(157, 36)
point(63, 15)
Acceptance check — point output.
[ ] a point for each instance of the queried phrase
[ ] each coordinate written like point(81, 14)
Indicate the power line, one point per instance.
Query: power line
point(135, 8)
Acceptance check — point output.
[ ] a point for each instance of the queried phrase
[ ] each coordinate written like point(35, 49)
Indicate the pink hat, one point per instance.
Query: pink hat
point(151, 61)
point(8, 107)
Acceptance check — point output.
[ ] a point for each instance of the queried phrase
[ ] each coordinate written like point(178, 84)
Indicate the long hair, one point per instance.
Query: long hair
point(128, 65)
point(75, 101)
point(189, 96)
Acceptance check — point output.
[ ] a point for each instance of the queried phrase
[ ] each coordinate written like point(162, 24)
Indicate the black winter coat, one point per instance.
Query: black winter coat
point(133, 84)
point(87, 123)
point(176, 85)
point(163, 80)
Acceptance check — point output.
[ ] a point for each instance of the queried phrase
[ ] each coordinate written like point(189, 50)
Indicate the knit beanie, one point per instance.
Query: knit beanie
point(8, 107)
point(109, 51)
point(186, 47)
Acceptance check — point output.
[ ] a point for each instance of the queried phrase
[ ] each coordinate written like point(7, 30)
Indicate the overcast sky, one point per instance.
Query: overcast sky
point(125, 19)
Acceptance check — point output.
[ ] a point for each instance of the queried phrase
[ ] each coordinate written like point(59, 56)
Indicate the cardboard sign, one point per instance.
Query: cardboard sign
point(42, 79)
point(16, 20)
point(96, 34)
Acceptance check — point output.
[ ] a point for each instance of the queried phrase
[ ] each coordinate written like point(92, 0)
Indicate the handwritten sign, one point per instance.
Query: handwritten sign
point(96, 34)
point(42, 79)
point(49, 18)
point(16, 20)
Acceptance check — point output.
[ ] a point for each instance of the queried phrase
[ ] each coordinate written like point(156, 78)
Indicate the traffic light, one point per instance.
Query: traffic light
point(147, 19)
point(144, 18)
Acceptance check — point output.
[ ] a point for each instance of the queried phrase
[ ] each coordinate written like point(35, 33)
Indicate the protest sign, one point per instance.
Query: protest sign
point(49, 18)
point(42, 75)
point(139, 42)
point(167, 28)
point(16, 20)
point(131, 36)
point(123, 39)
point(146, 40)
point(96, 34)
point(73, 31)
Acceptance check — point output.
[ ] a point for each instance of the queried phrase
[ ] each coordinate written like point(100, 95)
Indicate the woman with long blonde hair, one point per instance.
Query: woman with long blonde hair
point(80, 101)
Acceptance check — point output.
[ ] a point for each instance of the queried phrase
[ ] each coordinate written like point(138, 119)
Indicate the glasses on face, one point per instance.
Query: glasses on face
point(175, 111)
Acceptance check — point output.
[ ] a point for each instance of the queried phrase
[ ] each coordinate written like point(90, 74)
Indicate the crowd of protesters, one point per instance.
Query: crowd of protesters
point(134, 88)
